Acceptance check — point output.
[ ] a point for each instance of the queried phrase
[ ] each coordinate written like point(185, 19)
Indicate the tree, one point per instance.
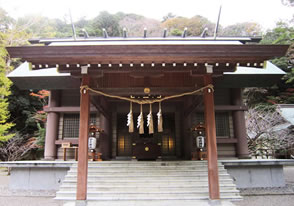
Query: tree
point(282, 92)
point(37, 26)
point(11, 35)
point(265, 131)
point(107, 21)
point(5, 84)
point(17, 148)
point(288, 2)
point(135, 25)
point(195, 25)
point(242, 29)
point(168, 16)
point(5, 20)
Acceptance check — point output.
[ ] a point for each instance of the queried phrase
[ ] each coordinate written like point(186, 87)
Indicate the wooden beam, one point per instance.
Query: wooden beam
point(66, 109)
point(213, 179)
point(226, 140)
point(147, 69)
point(74, 141)
point(191, 108)
point(226, 108)
point(97, 102)
point(83, 141)
point(140, 91)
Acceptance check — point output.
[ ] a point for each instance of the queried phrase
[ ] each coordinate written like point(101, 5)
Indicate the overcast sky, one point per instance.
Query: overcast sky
point(265, 12)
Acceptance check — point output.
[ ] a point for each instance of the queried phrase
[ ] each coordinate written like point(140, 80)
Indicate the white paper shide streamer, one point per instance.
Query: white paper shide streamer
point(159, 119)
point(130, 122)
point(140, 122)
point(150, 121)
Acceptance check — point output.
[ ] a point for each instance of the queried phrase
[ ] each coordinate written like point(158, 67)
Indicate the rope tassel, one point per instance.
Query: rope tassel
point(150, 121)
point(140, 123)
point(160, 120)
point(130, 122)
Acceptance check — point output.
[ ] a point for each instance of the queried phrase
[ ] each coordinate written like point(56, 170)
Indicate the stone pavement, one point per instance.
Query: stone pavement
point(151, 203)
point(256, 197)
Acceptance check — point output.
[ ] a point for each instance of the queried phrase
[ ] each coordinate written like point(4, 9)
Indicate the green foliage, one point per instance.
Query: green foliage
point(195, 25)
point(23, 108)
point(107, 21)
point(37, 26)
point(5, 20)
point(283, 91)
point(176, 32)
point(40, 136)
point(281, 34)
point(5, 84)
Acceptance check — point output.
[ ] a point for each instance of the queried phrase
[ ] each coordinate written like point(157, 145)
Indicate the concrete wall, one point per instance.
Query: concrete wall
point(256, 173)
point(37, 178)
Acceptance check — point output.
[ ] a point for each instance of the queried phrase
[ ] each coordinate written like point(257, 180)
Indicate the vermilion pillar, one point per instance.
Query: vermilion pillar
point(83, 140)
point(51, 127)
point(239, 125)
point(211, 146)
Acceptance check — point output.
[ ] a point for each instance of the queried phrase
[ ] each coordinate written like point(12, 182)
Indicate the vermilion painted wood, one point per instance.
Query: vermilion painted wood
point(213, 179)
point(83, 142)
point(52, 127)
point(239, 124)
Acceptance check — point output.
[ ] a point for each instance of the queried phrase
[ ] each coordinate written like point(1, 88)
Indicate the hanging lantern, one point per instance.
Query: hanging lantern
point(200, 141)
point(140, 121)
point(159, 117)
point(130, 122)
point(92, 142)
point(150, 121)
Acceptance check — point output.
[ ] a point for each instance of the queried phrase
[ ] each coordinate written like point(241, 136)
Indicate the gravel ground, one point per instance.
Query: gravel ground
point(283, 196)
point(252, 197)
point(29, 201)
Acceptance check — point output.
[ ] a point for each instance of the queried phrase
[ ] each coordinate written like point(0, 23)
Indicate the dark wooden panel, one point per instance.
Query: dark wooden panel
point(146, 150)
point(124, 80)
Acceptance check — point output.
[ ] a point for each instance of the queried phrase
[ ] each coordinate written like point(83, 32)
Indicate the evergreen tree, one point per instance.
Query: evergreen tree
point(5, 84)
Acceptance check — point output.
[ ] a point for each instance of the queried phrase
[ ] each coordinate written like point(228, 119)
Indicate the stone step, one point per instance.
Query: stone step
point(146, 195)
point(146, 166)
point(149, 172)
point(103, 168)
point(169, 184)
point(147, 182)
point(146, 163)
point(157, 177)
point(148, 188)
point(132, 180)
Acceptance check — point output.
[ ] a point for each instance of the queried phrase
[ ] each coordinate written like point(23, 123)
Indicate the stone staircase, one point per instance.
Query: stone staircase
point(161, 180)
